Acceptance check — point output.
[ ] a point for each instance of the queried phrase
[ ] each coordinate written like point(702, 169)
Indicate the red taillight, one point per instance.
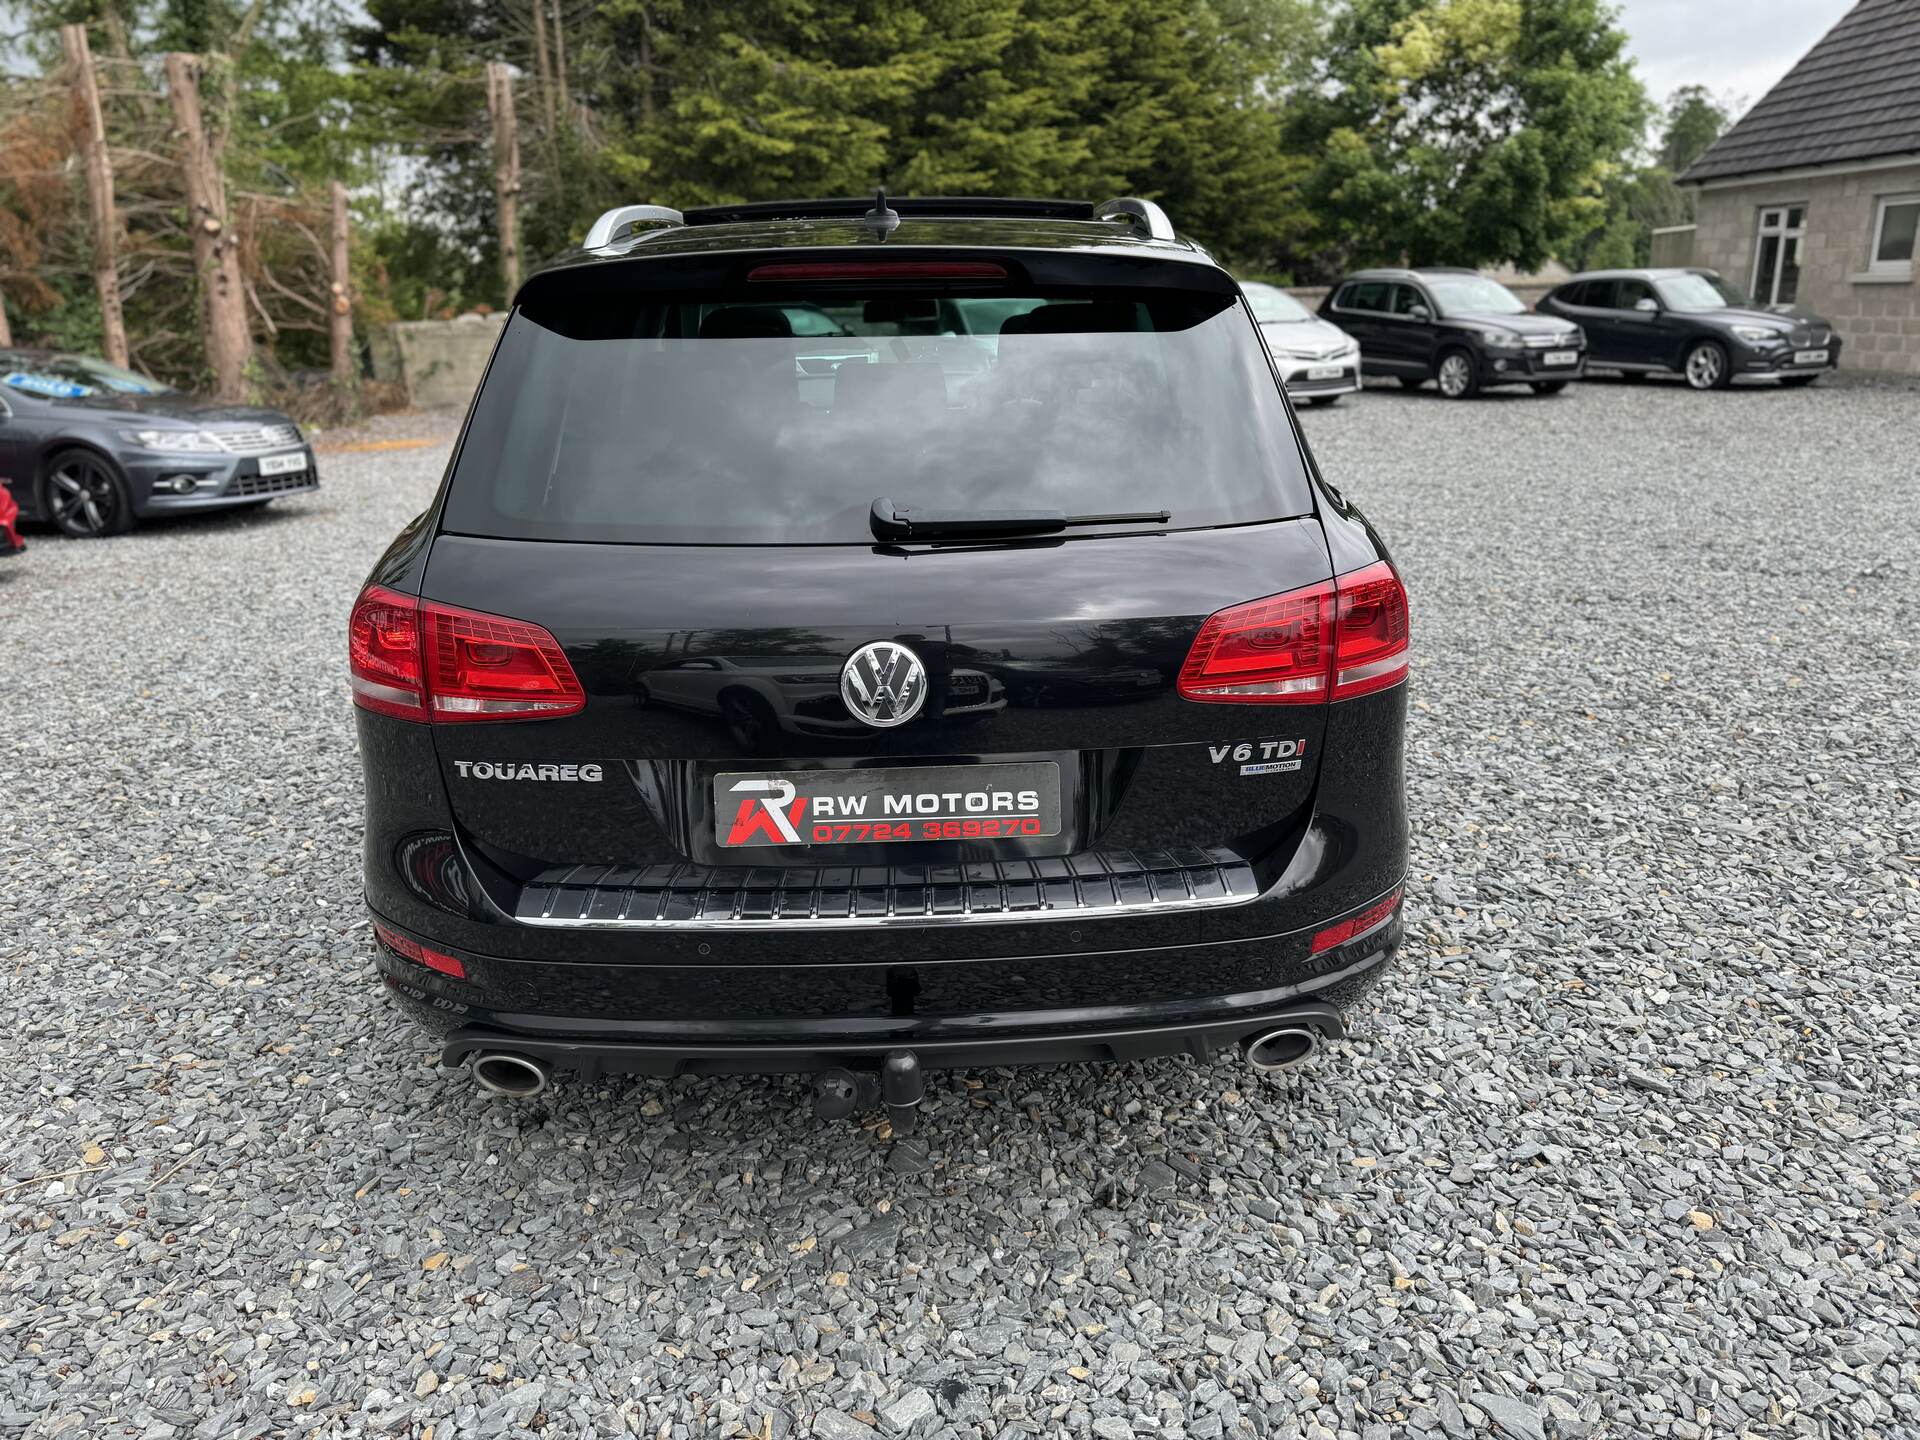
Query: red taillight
point(879, 270)
point(383, 654)
point(420, 660)
point(1370, 645)
point(1353, 926)
point(420, 954)
point(1333, 640)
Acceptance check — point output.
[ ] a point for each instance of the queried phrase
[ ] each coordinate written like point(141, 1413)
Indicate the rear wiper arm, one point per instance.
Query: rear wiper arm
point(891, 522)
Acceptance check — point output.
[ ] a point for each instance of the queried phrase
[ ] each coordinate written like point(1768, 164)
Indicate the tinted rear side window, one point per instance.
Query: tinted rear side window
point(779, 420)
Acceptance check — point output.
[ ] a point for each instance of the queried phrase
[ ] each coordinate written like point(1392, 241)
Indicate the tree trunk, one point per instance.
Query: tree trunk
point(506, 173)
point(216, 249)
point(542, 63)
point(6, 330)
point(560, 60)
point(106, 226)
point(340, 320)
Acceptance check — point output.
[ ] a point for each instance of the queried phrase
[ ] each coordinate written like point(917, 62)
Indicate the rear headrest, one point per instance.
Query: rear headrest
point(917, 387)
point(1074, 317)
point(746, 322)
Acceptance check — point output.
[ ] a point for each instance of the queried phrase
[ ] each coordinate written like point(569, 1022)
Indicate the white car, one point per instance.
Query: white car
point(1319, 362)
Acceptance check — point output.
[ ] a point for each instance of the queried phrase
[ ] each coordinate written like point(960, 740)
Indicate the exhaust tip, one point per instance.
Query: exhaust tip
point(519, 1077)
point(1282, 1049)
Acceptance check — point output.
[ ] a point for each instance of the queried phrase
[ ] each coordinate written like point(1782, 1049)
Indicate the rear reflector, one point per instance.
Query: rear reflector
point(420, 660)
point(1354, 926)
point(879, 270)
point(1334, 640)
point(420, 954)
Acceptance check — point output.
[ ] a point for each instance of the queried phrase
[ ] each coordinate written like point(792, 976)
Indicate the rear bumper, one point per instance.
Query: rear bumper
point(756, 1041)
point(591, 1059)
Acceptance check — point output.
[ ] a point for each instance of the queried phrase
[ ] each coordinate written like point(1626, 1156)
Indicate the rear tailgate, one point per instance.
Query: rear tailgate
point(1062, 654)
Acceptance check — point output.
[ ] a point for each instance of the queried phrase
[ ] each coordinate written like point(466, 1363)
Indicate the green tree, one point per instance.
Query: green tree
point(1692, 121)
point(1468, 131)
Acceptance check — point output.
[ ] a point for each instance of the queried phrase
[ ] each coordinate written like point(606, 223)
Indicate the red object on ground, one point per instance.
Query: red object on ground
point(10, 541)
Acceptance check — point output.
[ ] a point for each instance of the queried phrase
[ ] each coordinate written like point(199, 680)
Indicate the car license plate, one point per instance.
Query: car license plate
point(1561, 357)
point(881, 805)
point(1809, 357)
point(1324, 372)
point(283, 464)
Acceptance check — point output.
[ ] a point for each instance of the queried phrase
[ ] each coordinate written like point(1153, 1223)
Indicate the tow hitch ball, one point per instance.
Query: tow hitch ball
point(900, 1085)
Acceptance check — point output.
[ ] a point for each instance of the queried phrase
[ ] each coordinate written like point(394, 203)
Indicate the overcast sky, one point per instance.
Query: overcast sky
point(1736, 48)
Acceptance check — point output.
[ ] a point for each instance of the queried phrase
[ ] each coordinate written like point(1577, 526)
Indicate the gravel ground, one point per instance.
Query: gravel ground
point(1629, 1146)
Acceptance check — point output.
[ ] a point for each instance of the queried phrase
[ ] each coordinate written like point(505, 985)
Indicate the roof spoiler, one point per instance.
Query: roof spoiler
point(1144, 217)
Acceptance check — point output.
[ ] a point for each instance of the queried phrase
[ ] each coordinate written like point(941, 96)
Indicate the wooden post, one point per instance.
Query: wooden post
point(506, 172)
point(340, 321)
point(216, 249)
point(542, 63)
point(106, 227)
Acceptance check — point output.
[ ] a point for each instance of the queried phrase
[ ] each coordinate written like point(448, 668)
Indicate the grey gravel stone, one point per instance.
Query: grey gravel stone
point(1661, 964)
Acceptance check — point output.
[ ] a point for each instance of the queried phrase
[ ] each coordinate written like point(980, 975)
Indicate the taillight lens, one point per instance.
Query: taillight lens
point(1354, 926)
point(1370, 632)
point(1334, 640)
point(383, 654)
point(420, 660)
point(420, 954)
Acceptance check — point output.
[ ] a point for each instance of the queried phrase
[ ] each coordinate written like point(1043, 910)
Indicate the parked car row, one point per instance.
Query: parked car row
point(1467, 333)
point(92, 447)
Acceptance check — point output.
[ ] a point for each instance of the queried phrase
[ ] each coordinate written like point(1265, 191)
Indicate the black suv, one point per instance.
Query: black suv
point(1693, 323)
point(1460, 329)
point(858, 640)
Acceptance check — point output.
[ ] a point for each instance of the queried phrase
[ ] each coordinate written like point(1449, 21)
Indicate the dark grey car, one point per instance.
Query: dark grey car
point(92, 447)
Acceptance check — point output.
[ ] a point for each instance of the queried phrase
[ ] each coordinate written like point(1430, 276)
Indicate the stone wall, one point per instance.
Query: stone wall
point(1877, 317)
point(442, 361)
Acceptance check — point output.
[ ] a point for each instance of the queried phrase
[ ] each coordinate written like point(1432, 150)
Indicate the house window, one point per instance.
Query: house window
point(1776, 262)
point(1893, 235)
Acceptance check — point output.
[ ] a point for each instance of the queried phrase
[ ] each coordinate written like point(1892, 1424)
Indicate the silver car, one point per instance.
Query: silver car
point(1319, 362)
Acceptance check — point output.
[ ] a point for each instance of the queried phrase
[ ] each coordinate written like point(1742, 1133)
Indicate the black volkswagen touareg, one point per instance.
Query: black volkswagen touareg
point(856, 638)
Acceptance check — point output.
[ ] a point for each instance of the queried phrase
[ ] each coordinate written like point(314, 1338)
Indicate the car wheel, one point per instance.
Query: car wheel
point(1798, 382)
point(1317, 401)
point(84, 495)
point(1707, 367)
point(1409, 382)
point(1548, 387)
point(1458, 380)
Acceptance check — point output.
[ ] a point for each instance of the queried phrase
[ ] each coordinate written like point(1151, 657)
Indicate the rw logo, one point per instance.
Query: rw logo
point(771, 807)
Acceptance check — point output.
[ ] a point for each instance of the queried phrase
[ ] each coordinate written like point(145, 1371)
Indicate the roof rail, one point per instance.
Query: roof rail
point(620, 217)
point(1145, 216)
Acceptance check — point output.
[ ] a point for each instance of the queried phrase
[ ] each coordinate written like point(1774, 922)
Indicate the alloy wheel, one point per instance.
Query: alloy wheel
point(1456, 376)
point(1705, 366)
point(84, 497)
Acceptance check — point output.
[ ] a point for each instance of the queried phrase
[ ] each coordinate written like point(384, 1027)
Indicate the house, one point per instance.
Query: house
point(1813, 197)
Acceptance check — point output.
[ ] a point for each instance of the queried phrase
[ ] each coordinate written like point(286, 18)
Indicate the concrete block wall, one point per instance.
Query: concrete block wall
point(442, 360)
point(1879, 319)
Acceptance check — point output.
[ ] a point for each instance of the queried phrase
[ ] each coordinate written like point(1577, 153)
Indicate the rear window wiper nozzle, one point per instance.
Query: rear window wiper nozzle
point(891, 522)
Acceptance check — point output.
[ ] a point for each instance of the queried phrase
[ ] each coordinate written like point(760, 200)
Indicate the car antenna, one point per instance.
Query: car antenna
point(882, 217)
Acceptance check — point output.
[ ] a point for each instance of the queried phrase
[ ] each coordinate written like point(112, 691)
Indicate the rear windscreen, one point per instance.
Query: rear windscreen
point(768, 421)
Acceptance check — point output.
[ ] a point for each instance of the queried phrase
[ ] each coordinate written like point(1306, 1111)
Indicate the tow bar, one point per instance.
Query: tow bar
point(900, 1084)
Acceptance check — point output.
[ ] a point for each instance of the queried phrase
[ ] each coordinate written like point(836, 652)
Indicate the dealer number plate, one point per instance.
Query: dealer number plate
point(1561, 357)
point(283, 464)
point(1324, 372)
point(1810, 357)
point(877, 806)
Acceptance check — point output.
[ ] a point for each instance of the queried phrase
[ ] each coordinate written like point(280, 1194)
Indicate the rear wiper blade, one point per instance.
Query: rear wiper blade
point(891, 522)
